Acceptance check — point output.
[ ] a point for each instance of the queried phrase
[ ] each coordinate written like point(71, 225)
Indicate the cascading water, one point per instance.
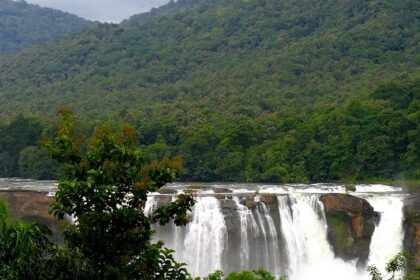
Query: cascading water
point(288, 239)
point(246, 220)
point(304, 231)
point(280, 228)
point(206, 237)
point(261, 225)
point(387, 240)
point(273, 251)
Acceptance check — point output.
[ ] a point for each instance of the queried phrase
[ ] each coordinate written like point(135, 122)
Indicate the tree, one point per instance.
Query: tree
point(35, 163)
point(105, 185)
point(22, 246)
point(259, 274)
point(396, 264)
point(21, 133)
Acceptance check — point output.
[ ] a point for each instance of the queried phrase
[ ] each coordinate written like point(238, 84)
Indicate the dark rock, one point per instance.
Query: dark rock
point(33, 206)
point(167, 191)
point(412, 229)
point(232, 259)
point(163, 200)
point(228, 204)
point(351, 223)
point(248, 201)
point(222, 193)
point(193, 188)
point(268, 198)
point(221, 196)
point(221, 190)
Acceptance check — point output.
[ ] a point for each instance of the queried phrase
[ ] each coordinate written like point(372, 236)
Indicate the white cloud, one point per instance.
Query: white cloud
point(102, 10)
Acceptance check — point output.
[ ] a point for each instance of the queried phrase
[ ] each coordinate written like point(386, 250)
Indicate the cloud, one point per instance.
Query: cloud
point(102, 10)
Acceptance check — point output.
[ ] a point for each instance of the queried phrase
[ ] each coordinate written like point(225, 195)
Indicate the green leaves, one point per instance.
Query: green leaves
point(105, 186)
point(259, 274)
point(24, 248)
point(397, 264)
point(25, 24)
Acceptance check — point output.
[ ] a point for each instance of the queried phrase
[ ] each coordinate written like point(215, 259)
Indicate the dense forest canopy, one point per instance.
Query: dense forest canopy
point(258, 90)
point(23, 24)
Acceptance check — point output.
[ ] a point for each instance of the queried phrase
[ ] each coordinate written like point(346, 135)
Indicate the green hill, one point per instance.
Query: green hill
point(257, 90)
point(23, 24)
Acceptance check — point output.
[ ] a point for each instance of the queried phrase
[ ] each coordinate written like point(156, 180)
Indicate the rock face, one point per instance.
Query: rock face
point(351, 222)
point(33, 207)
point(412, 229)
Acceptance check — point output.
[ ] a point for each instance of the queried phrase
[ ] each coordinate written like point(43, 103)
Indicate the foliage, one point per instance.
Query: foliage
point(105, 187)
point(259, 274)
point(279, 88)
point(19, 134)
point(22, 246)
point(372, 138)
point(395, 265)
point(23, 24)
point(413, 275)
point(35, 163)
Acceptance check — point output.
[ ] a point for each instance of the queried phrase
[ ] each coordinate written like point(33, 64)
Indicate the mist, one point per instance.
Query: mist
point(102, 10)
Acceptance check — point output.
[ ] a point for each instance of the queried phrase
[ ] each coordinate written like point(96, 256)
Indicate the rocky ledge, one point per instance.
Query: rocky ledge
point(412, 229)
point(351, 222)
point(33, 206)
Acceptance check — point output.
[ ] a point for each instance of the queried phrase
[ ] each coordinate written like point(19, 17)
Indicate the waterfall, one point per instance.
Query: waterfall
point(282, 229)
point(273, 252)
point(247, 223)
point(264, 236)
point(304, 231)
point(150, 205)
point(387, 239)
point(206, 237)
point(287, 237)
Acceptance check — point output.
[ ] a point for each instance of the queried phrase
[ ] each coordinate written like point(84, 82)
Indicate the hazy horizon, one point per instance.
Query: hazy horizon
point(109, 11)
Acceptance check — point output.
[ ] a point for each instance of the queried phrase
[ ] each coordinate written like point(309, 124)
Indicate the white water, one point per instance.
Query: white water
point(289, 240)
point(274, 251)
point(387, 240)
point(206, 237)
point(292, 242)
point(261, 225)
point(304, 230)
point(246, 220)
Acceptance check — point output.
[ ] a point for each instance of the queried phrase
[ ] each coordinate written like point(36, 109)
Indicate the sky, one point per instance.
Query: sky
point(101, 10)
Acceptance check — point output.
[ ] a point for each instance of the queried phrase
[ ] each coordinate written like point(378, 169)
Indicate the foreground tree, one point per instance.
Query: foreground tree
point(105, 186)
point(259, 274)
point(22, 246)
point(397, 265)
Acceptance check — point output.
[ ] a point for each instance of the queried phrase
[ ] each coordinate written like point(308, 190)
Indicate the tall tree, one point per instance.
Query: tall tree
point(105, 186)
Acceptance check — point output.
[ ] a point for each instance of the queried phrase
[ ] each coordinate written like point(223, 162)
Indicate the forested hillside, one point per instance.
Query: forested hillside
point(23, 24)
point(258, 90)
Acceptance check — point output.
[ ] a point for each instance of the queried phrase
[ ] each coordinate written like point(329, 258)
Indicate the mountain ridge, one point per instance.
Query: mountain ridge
point(23, 25)
point(286, 91)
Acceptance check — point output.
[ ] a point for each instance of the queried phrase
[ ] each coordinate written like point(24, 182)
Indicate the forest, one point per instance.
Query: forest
point(256, 91)
point(259, 91)
point(105, 184)
point(23, 25)
point(375, 138)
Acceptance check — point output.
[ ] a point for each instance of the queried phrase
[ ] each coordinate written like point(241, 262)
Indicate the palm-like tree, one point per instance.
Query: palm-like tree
point(24, 247)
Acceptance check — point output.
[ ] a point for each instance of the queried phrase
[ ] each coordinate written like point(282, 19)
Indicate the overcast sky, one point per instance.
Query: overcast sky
point(102, 10)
